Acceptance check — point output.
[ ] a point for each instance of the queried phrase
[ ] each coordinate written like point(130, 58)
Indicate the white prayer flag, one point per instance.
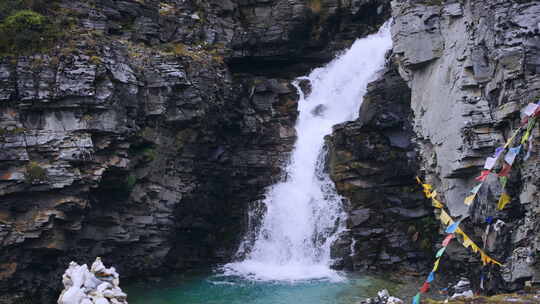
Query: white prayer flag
point(530, 109)
point(510, 157)
point(490, 163)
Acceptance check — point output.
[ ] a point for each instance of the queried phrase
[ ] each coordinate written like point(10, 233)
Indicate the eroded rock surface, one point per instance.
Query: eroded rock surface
point(373, 162)
point(471, 67)
point(144, 137)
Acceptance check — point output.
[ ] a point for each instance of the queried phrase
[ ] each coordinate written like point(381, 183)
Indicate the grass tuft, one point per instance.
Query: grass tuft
point(35, 173)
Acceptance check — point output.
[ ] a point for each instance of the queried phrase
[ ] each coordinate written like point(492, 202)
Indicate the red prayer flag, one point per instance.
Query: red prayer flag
point(505, 170)
point(447, 240)
point(525, 120)
point(425, 287)
point(537, 112)
point(483, 175)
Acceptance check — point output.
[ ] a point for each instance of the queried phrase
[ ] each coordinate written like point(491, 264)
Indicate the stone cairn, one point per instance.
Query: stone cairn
point(462, 289)
point(99, 285)
point(383, 297)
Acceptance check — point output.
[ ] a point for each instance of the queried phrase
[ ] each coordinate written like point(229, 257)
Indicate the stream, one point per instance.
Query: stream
point(208, 288)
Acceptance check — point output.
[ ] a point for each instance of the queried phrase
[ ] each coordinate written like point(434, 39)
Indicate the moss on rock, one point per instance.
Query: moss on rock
point(35, 173)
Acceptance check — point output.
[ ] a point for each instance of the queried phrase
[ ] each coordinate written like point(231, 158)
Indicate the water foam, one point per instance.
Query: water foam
point(304, 214)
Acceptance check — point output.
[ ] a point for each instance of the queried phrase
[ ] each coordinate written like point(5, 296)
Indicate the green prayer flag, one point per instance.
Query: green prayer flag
point(503, 180)
point(440, 252)
point(416, 299)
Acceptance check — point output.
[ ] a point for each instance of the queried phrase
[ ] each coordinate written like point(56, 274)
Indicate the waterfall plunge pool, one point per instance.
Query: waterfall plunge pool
point(304, 213)
point(204, 287)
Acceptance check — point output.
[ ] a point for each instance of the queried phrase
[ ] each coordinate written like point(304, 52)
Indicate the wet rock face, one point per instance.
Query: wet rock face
point(373, 163)
point(143, 138)
point(293, 36)
point(471, 67)
point(133, 177)
point(159, 170)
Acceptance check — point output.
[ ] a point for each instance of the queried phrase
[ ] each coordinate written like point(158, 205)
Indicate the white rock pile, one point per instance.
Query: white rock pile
point(99, 285)
point(383, 297)
point(462, 289)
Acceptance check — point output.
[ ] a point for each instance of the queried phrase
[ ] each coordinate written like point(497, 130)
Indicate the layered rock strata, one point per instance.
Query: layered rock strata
point(373, 163)
point(471, 67)
point(143, 137)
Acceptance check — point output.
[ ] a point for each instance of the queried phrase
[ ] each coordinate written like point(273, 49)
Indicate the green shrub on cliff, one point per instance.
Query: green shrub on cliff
point(25, 30)
point(130, 182)
point(25, 20)
point(149, 154)
point(28, 26)
point(8, 7)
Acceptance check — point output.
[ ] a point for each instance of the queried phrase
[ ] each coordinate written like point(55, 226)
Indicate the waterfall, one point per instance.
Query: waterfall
point(303, 213)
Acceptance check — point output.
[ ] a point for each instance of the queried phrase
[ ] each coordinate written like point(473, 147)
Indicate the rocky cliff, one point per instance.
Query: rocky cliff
point(471, 66)
point(373, 163)
point(142, 134)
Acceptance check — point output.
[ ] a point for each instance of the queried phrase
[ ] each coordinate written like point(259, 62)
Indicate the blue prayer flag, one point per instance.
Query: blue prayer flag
point(498, 152)
point(452, 228)
point(431, 277)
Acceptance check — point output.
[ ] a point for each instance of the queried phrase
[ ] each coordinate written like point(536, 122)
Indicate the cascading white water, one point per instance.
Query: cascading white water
point(304, 214)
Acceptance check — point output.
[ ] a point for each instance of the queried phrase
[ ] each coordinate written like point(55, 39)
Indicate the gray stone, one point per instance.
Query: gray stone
point(359, 216)
point(417, 27)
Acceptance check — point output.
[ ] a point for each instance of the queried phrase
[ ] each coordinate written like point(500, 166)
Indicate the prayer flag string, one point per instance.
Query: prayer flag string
point(508, 154)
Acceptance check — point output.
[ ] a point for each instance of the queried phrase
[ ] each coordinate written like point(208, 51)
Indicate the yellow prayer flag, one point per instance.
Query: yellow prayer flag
point(475, 247)
point(467, 242)
point(436, 203)
point(485, 259)
point(469, 200)
point(495, 262)
point(525, 136)
point(436, 265)
point(445, 218)
point(427, 190)
point(503, 201)
point(511, 139)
